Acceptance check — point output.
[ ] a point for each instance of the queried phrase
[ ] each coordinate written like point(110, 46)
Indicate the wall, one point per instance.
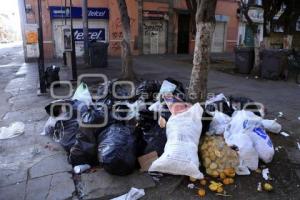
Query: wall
point(224, 7)
point(115, 29)
point(32, 17)
point(155, 30)
point(229, 8)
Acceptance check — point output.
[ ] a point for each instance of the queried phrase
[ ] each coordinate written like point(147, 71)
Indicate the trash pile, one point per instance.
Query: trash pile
point(112, 129)
point(235, 141)
point(151, 127)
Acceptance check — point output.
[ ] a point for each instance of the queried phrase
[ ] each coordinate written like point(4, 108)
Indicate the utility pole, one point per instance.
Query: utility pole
point(73, 53)
point(41, 48)
point(85, 26)
point(140, 26)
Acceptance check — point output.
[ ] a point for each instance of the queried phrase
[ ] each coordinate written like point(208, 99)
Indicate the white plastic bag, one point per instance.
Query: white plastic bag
point(133, 194)
point(262, 144)
point(49, 126)
point(155, 107)
point(247, 154)
point(247, 123)
point(271, 125)
point(241, 121)
point(15, 129)
point(82, 93)
point(219, 123)
point(167, 87)
point(180, 155)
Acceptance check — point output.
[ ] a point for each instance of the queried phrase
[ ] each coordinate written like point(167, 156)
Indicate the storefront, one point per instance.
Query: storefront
point(154, 32)
point(220, 34)
point(60, 18)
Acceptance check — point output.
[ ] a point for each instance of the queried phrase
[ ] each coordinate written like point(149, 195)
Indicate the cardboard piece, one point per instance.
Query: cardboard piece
point(146, 160)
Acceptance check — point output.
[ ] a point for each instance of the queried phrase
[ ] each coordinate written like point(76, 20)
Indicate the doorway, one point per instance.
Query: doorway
point(183, 34)
point(218, 37)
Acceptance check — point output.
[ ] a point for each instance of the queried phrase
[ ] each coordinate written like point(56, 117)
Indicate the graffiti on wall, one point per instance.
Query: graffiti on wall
point(115, 46)
point(116, 33)
point(148, 28)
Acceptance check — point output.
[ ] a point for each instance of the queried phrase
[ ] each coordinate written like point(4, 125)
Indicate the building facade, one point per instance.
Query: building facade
point(157, 26)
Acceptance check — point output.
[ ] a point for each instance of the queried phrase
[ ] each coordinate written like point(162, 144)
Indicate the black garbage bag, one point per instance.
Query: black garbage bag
point(104, 91)
point(221, 106)
point(155, 139)
point(165, 113)
point(93, 115)
point(150, 137)
point(106, 94)
point(206, 120)
point(147, 90)
point(84, 151)
point(147, 119)
point(244, 103)
point(65, 133)
point(179, 91)
point(52, 75)
point(71, 107)
point(116, 150)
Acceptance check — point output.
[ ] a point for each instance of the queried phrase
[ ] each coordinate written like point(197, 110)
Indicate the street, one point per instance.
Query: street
point(35, 167)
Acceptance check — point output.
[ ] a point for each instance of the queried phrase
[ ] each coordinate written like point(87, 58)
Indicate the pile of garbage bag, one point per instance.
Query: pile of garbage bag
point(124, 123)
point(112, 129)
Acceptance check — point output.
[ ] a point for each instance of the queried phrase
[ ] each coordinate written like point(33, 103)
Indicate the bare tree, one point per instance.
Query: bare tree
point(271, 8)
point(127, 66)
point(205, 24)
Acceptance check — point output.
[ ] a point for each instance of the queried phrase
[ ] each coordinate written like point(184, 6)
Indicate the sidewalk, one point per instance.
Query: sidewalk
point(31, 166)
point(34, 167)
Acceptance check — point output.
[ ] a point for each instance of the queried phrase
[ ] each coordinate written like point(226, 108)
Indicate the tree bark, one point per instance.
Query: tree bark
point(256, 52)
point(127, 65)
point(205, 24)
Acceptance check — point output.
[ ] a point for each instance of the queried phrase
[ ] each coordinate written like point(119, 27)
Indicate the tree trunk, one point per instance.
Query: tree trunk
point(127, 68)
point(205, 24)
point(256, 52)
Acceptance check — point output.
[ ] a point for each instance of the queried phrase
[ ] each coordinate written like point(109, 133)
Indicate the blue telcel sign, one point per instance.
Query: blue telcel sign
point(57, 12)
point(94, 34)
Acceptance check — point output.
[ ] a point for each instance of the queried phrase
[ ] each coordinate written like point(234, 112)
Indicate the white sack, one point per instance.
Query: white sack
point(180, 155)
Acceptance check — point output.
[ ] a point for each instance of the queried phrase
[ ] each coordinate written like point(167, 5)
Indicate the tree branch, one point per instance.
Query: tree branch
point(245, 10)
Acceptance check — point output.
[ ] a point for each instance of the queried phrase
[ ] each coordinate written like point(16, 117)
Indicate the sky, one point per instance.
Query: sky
point(8, 7)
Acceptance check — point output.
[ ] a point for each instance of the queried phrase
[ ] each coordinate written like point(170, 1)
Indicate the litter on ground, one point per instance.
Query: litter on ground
point(265, 174)
point(15, 129)
point(284, 134)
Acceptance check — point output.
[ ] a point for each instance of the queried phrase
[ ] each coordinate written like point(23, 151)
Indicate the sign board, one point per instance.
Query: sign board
point(151, 14)
point(94, 34)
point(57, 12)
point(31, 35)
point(256, 14)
